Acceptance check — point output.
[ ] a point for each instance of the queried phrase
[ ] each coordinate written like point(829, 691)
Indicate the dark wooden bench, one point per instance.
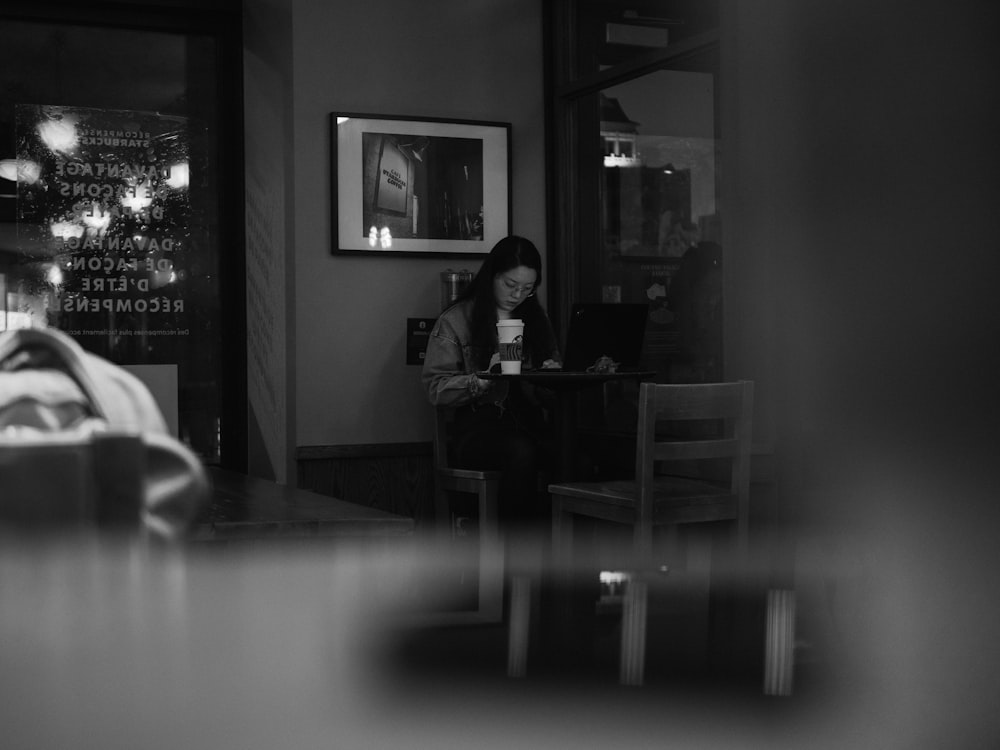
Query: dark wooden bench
point(249, 508)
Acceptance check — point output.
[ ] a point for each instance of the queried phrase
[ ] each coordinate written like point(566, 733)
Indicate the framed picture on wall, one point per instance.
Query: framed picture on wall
point(429, 186)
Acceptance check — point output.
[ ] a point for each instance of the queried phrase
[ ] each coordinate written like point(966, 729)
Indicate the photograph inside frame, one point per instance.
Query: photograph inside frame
point(425, 186)
point(420, 186)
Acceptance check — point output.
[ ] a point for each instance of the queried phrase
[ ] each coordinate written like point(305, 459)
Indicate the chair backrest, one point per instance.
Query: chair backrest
point(721, 425)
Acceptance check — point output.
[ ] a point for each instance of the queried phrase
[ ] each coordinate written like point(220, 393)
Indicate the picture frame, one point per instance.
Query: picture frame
point(418, 186)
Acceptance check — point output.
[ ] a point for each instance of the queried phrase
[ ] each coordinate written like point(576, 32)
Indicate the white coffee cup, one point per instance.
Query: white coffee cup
point(511, 335)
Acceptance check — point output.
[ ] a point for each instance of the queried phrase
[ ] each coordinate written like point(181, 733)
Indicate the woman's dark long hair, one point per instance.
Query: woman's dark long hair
point(508, 253)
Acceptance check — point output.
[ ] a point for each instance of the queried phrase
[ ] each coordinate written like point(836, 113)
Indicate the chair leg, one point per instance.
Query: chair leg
point(518, 627)
point(442, 514)
point(491, 555)
point(633, 645)
point(562, 536)
point(673, 555)
point(643, 541)
point(779, 644)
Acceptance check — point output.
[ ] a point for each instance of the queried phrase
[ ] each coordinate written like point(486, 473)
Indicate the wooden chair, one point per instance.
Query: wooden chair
point(657, 496)
point(485, 485)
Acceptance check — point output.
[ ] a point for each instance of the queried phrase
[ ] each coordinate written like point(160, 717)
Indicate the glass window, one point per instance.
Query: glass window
point(109, 204)
point(636, 172)
point(658, 198)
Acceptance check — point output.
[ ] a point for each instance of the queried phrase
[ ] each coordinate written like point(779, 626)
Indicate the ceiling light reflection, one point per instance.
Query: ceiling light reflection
point(178, 176)
point(97, 220)
point(59, 136)
point(54, 275)
point(66, 230)
point(138, 198)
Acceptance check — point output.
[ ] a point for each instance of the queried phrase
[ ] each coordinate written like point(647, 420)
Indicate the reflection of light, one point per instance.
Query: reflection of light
point(66, 230)
point(58, 135)
point(162, 277)
point(613, 576)
point(97, 220)
point(378, 238)
point(614, 581)
point(54, 275)
point(18, 320)
point(614, 160)
point(342, 120)
point(178, 175)
point(138, 198)
point(20, 170)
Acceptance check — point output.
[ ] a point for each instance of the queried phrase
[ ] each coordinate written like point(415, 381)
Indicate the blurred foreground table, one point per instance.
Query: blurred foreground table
point(107, 643)
point(248, 508)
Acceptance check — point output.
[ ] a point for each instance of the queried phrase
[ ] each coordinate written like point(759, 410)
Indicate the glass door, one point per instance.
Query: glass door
point(118, 172)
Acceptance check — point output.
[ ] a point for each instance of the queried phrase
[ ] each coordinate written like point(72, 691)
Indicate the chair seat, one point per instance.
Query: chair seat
point(469, 480)
point(676, 499)
point(475, 474)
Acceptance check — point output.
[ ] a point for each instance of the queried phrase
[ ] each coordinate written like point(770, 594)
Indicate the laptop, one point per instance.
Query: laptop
point(605, 330)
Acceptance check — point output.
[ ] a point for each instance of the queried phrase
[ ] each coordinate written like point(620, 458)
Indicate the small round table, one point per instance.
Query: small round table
point(565, 385)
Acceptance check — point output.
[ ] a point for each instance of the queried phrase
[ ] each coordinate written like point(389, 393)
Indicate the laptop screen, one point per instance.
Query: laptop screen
point(605, 330)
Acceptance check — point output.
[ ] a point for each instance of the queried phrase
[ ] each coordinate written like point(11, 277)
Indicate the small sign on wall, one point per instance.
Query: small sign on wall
point(417, 332)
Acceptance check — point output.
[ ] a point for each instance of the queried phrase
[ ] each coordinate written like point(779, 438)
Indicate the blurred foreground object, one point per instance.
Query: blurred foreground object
point(83, 444)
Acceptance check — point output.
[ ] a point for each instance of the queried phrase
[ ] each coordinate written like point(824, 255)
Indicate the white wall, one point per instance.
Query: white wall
point(464, 59)
point(269, 236)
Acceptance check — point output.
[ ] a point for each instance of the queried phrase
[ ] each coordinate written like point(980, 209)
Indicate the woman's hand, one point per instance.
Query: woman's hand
point(478, 386)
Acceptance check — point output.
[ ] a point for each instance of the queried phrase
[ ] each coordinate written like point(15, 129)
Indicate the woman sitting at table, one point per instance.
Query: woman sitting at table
point(498, 424)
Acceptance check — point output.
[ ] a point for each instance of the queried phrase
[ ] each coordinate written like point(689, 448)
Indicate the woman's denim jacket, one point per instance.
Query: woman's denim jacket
point(450, 362)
